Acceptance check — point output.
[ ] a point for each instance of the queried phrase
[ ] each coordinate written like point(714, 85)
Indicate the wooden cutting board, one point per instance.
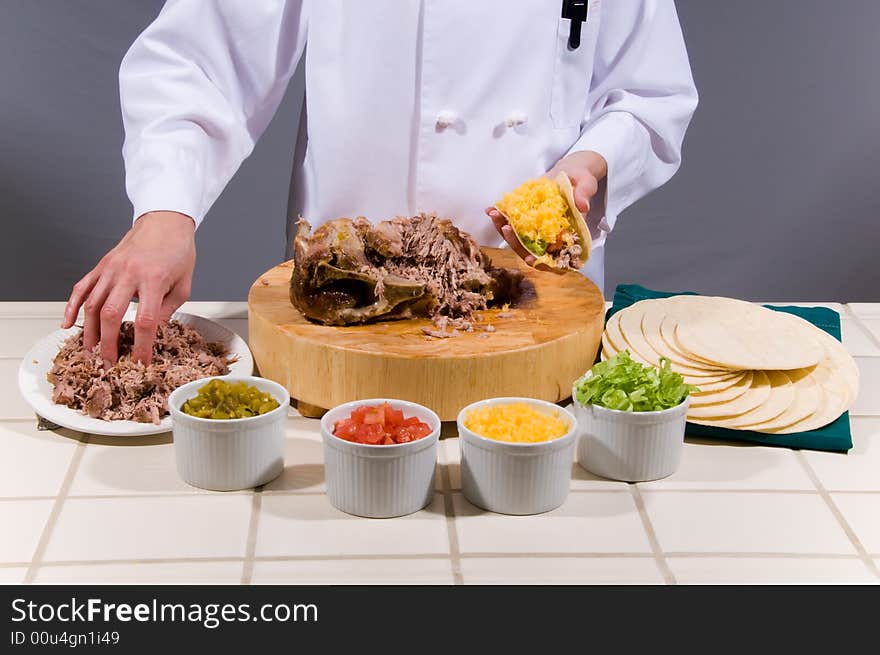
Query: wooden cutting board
point(549, 340)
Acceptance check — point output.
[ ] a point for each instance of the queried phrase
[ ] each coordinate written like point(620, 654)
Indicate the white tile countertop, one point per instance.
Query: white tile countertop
point(78, 508)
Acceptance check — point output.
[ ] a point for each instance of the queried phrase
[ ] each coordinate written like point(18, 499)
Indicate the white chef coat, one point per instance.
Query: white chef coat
point(410, 105)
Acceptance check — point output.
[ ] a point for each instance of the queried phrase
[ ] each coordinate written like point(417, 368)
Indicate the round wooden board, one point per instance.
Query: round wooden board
point(549, 340)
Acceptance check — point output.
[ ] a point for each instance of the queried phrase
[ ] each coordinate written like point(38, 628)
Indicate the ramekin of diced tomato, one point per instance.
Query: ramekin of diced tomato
point(380, 456)
point(380, 425)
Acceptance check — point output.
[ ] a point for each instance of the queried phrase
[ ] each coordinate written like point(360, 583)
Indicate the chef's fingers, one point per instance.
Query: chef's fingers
point(178, 295)
point(146, 321)
point(78, 296)
point(531, 259)
point(92, 309)
point(507, 232)
point(509, 236)
point(497, 219)
point(111, 317)
point(585, 187)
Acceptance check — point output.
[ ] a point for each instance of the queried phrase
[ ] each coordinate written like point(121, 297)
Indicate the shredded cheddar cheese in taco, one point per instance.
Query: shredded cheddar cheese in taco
point(538, 213)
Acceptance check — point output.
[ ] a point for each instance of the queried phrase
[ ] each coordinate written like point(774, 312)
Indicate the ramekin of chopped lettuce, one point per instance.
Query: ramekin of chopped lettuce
point(631, 418)
point(627, 385)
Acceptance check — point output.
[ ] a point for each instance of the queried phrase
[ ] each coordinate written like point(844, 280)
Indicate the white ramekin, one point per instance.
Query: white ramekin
point(380, 481)
point(630, 446)
point(231, 454)
point(516, 478)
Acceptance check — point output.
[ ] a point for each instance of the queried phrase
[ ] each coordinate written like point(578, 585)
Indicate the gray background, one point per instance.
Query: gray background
point(777, 197)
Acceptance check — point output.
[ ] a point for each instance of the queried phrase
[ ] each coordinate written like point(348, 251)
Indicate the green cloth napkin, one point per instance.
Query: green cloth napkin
point(835, 436)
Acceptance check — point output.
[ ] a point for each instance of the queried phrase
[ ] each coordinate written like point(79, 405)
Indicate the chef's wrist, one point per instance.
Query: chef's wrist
point(171, 220)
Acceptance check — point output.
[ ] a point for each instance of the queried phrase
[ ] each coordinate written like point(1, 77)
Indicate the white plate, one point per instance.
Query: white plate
point(37, 390)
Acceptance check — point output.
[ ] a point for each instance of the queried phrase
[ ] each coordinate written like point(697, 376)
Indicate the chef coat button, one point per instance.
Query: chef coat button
point(516, 118)
point(446, 118)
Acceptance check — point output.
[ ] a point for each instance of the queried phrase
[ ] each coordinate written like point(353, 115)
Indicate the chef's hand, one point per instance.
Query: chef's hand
point(154, 261)
point(585, 169)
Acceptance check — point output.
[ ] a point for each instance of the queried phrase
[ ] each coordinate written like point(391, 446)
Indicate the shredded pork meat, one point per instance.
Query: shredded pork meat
point(569, 257)
point(129, 390)
point(351, 271)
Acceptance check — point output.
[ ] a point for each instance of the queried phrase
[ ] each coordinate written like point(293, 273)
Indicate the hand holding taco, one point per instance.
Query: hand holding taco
point(547, 223)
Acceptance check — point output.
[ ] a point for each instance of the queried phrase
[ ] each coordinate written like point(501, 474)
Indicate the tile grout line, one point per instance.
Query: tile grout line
point(558, 555)
point(210, 559)
point(208, 494)
point(160, 494)
point(139, 560)
point(659, 558)
point(363, 557)
point(247, 570)
point(43, 543)
point(704, 554)
point(868, 332)
point(624, 490)
point(451, 531)
point(867, 560)
point(439, 556)
point(726, 490)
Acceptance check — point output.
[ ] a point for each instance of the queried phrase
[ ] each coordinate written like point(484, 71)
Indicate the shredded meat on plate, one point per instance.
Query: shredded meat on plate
point(129, 390)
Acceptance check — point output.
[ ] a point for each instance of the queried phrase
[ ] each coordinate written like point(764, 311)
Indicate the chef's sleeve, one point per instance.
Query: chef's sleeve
point(197, 88)
point(640, 103)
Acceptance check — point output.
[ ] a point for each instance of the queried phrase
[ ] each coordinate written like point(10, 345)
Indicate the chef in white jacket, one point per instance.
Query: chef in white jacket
point(410, 105)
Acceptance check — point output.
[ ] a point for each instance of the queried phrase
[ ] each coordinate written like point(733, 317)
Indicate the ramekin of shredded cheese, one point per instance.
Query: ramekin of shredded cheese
point(516, 454)
point(517, 422)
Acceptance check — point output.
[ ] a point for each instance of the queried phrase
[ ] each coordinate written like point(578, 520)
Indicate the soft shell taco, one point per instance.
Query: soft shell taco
point(547, 222)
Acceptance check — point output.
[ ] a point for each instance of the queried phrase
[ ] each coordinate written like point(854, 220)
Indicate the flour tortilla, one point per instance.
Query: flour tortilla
point(725, 394)
point(832, 405)
point(608, 346)
point(740, 335)
point(643, 353)
point(768, 401)
point(832, 401)
point(575, 217)
point(837, 382)
point(757, 394)
point(630, 324)
point(652, 313)
point(779, 398)
point(668, 338)
point(723, 383)
point(838, 370)
point(610, 349)
point(620, 342)
point(703, 381)
point(612, 334)
point(808, 398)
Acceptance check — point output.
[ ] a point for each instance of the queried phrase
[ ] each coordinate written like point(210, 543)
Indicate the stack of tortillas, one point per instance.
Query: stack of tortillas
point(757, 369)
